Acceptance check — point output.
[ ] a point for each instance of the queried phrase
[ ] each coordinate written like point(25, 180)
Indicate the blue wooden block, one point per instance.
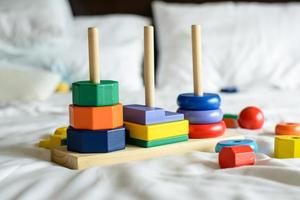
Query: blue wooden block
point(141, 114)
point(95, 141)
point(228, 143)
point(189, 101)
point(202, 116)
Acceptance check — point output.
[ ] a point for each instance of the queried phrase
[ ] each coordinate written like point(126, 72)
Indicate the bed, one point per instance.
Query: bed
point(26, 171)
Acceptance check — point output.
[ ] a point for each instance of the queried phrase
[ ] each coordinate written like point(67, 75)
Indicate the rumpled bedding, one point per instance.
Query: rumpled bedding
point(27, 173)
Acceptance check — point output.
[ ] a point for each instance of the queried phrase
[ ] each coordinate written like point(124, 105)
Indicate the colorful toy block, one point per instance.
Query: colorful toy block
point(96, 118)
point(287, 146)
point(157, 131)
point(59, 138)
point(236, 156)
point(251, 118)
point(87, 93)
point(207, 101)
point(230, 120)
point(154, 143)
point(207, 130)
point(230, 143)
point(202, 116)
point(147, 115)
point(149, 126)
point(287, 129)
point(62, 87)
point(91, 141)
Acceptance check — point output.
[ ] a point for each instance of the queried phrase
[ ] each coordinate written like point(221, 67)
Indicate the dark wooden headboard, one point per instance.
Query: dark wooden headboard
point(139, 7)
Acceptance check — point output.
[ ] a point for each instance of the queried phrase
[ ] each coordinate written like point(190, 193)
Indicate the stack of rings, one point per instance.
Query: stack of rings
point(204, 114)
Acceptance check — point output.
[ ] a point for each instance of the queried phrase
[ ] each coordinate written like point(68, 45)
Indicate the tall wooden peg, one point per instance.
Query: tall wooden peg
point(149, 66)
point(93, 40)
point(196, 46)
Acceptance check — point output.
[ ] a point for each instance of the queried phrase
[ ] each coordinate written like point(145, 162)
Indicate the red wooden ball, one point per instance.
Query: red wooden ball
point(251, 118)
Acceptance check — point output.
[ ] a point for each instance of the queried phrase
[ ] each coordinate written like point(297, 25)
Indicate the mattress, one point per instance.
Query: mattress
point(26, 171)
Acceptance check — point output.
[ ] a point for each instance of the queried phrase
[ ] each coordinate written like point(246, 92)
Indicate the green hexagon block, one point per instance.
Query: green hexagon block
point(86, 93)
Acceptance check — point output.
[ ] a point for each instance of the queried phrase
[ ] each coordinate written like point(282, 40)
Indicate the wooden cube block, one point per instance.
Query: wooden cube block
point(157, 131)
point(159, 142)
point(230, 120)
point(236, 156)
point(100, 141)
point(96, 118)
point(141, 114)
point(86, 93)
point(287, 146)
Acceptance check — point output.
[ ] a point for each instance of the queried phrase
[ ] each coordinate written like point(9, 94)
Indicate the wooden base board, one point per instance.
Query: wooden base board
point(75, 160)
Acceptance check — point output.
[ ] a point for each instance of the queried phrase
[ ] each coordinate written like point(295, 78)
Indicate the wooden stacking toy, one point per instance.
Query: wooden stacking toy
point(96, 116)
point(236, 156)
point(230, 143)
point(147, 125)
point(230, 120)
point(96, 120)
point(287, 129)
point(59, 138)
point(201, 109)
point(251, 118)
point(287, 146)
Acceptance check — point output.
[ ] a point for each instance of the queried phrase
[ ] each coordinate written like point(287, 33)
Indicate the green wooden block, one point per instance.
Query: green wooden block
point(154, 143)
point(231, 116)
point(86, 93)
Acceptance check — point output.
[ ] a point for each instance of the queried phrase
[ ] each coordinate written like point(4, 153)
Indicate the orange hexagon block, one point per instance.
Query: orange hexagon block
point(96, 118)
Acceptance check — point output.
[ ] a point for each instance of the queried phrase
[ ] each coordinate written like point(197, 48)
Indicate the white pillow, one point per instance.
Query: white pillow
point(121, 51)
point(244, 44)
point(25, 84)
point(26, 23)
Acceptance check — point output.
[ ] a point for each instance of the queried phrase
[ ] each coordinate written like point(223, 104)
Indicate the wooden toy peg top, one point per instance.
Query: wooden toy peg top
point(93, 41)
point(196, 47)
point(149, 66)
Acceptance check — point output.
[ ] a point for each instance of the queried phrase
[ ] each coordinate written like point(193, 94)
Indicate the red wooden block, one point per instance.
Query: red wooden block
point(236, 156)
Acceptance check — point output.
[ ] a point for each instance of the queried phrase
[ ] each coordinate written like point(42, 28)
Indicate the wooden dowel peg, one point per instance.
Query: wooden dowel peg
point(196, 46)
point(93, 42)
point(149, 66)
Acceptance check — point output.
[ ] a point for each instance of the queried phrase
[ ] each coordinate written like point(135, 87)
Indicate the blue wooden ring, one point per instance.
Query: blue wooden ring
point(229, 143)
point(202, 116)
point(209, 101)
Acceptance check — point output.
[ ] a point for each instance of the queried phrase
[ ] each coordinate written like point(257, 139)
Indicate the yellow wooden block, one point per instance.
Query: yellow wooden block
point(287, 146)
point(47, 144)
point(55, 140)
point(157, 131)
point(61, 131)
point(63, 88)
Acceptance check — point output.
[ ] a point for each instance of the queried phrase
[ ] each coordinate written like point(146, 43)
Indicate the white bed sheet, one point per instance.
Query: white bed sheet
point(27, 173)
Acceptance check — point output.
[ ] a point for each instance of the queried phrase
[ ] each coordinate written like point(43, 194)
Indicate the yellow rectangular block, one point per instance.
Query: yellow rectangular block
point(287, 146)
point(47, 144)
point(157, 131)
point(61, 131)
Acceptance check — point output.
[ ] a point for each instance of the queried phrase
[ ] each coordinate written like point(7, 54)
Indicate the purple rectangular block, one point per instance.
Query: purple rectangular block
point(141, 114)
